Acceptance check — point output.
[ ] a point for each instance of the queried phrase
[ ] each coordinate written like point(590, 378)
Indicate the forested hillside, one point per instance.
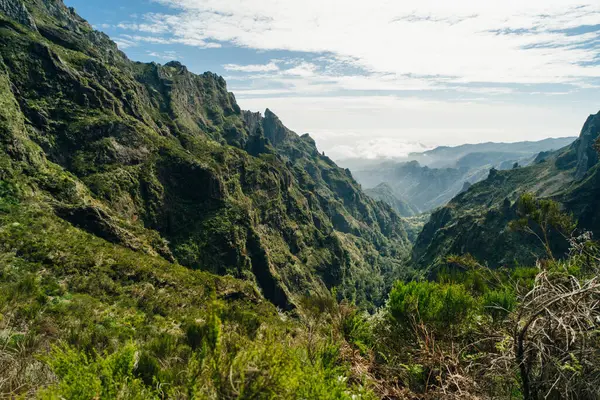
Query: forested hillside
point(477, 220)
point(158, 242)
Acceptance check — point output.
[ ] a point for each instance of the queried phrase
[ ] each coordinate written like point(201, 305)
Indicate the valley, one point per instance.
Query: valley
point(159, 242)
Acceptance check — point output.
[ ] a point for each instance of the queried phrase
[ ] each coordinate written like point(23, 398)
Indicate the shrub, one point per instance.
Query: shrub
point(499, 303)
point(430, 302)
point(94, 377)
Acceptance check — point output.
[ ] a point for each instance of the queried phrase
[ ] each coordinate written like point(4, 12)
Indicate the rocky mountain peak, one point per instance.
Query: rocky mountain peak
point(274, 129)
point(587, 156)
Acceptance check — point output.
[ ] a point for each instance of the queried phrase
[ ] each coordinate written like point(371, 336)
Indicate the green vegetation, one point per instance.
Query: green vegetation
point(118, 324)
point(444, 305)
point(158, 242)
point(86, 318)
point(479, 220)
point(543, 216)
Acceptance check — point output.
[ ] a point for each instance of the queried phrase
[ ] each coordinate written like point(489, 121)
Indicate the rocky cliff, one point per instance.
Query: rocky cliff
point(163, 161)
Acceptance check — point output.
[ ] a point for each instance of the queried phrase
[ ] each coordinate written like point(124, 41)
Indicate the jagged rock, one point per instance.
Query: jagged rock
point(587, 156)
point(465, 187)
point(274, 129)
point(16, 10)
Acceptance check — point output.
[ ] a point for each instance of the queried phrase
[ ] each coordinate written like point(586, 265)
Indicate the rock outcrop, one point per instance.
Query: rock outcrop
point(587, 156)
point(16, 10)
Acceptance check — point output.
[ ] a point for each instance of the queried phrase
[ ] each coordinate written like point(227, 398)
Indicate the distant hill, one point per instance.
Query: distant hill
point(436, 176)
point(476, 221)
point(446, 156)
point(384, 192)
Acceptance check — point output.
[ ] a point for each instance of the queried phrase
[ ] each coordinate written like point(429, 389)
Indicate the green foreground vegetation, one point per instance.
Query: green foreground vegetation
point(81, 318)
point(156, 241)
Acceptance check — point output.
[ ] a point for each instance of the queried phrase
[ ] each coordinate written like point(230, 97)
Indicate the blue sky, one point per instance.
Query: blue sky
point(380, 78)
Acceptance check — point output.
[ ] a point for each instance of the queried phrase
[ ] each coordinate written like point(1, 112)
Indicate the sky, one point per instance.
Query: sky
point(381, 78)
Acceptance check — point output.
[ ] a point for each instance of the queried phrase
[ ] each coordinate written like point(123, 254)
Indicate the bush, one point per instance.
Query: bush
point(499, 303)
point(440, 304)
point(88, 377)
point(356, 329)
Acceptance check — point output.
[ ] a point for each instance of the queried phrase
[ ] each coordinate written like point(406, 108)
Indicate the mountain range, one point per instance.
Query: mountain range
point(157, 241)
point(431, 179)
point(477, 221)
point(160, 160)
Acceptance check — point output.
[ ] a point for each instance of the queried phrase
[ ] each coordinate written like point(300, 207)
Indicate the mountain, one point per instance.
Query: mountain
point(476, 221)
point(448, 169)
point(158, 242)
point(164, 162)
point(385, 193)
point(449, 156)
point(421, 187)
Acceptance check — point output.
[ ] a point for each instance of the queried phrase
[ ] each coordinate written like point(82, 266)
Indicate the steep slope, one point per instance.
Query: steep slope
point(384, 192)
point(476, 221)
point(423, 187)
point(163, 161)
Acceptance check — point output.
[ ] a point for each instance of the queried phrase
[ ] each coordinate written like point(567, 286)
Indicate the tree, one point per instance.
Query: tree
point(540, 217)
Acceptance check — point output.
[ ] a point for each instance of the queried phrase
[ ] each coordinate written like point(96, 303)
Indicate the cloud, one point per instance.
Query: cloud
point(377, 148)
point(149, 28)
point(304, 69)
point(252, 68)
point(124, 43)
point(136, 40)
point(492, 41)
point(167, 55)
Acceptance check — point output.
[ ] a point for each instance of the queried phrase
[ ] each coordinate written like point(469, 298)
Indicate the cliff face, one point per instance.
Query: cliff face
point(158, 159)
point(17, 11)
point(587, 156)
point(476, 221)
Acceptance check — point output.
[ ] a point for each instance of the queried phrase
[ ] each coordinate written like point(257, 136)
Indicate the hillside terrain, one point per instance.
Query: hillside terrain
point(158, 242)
point(432, 178)
point(476, 221)
point(385, 193)
point(157, 159)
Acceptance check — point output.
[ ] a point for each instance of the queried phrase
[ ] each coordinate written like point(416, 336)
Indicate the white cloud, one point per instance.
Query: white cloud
point(124, 43)
point(503, 41)
point(135, 40)
point(304, 69)
point(148, 28)
point(252, 68)
point(167, 55)
point(377, 148)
